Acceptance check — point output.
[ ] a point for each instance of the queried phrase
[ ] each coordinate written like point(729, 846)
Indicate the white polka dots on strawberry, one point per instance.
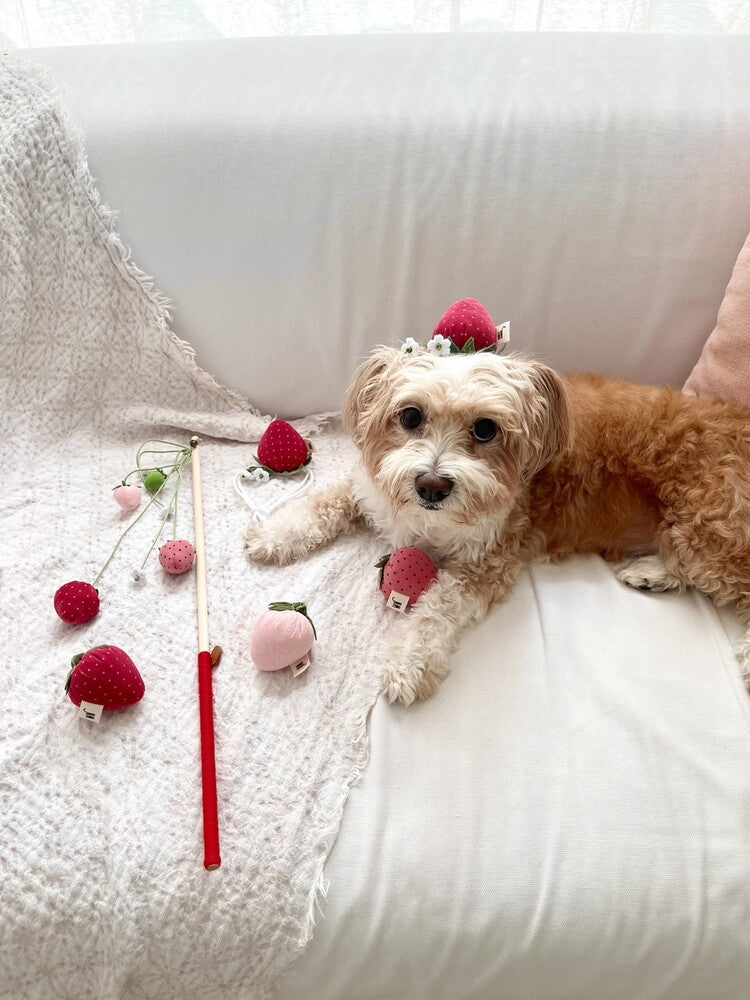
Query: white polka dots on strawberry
point(76, 602)
point(282, 448)
point(106, 676)
point(465, 320)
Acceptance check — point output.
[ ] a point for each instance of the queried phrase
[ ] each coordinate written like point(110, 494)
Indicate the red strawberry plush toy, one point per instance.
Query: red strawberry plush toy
point(468, 325)
point(406, 575)
point(283, 449)
point(105, 676)
point(76, 602)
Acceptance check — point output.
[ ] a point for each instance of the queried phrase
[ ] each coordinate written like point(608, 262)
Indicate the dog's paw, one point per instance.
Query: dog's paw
point(265, 546)
point(647, 573)
point(407, 680)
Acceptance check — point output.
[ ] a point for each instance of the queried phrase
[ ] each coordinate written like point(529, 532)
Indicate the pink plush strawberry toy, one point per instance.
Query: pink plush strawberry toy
point(405, 576)
point(176, 557)
point(468, 326)
point(104, 676)
point(283, 637)
point(127, 497)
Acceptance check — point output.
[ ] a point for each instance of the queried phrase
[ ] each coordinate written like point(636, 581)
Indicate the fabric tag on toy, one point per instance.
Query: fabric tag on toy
point(503, 332)
point(399, 602)
point(90, 712)
point(301, 666)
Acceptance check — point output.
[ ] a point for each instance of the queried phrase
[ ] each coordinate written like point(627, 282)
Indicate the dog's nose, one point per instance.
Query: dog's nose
point(432, 487)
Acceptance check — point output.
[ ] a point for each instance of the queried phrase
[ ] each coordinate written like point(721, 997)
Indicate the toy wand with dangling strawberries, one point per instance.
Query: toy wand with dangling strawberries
point(206, 662)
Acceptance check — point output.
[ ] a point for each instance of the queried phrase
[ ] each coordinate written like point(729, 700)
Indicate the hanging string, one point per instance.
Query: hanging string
point(257, 514)
point(182, 456)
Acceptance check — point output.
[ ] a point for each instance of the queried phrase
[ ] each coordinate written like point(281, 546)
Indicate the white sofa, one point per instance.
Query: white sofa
point(568, 817)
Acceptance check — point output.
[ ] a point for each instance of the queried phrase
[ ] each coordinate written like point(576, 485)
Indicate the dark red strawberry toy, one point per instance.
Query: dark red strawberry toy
point(469, 326)
point(283, 449)
point(77, 602)
point(405, 576)
point(105, 676)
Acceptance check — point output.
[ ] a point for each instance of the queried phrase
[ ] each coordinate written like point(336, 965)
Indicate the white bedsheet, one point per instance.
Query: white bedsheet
point(568, 818)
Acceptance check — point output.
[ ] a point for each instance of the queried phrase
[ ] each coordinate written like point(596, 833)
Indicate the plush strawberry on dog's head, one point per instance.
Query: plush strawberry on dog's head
point(468, 326)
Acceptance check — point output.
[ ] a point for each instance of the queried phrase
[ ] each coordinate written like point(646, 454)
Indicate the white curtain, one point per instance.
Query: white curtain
point(25, 23)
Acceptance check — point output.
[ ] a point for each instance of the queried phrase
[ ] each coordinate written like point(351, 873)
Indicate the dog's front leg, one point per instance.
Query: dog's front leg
point(419, 648)
point(296, 530)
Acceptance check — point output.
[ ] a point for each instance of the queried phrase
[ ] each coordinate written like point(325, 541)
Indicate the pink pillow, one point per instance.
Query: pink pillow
point(723, 368)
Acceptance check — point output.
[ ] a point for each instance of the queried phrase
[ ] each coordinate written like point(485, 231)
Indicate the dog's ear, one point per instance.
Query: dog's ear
point(366, 397)
point(554, 418)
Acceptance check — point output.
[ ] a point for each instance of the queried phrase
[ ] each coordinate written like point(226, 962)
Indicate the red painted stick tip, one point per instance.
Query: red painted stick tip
point(211, 857)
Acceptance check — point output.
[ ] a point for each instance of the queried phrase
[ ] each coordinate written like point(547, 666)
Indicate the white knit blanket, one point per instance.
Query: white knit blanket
point(102, 889)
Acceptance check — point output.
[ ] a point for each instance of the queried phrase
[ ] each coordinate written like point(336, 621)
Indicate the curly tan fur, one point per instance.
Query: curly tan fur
point(579, 464)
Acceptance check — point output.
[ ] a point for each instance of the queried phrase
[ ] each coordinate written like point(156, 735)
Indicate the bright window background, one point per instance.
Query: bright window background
point(25, 23)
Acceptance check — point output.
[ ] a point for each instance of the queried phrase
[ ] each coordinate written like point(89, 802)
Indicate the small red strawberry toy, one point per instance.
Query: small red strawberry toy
point(405, 576)
point(177, 557)
point(282, 448)
point(469, 326)
point(76, 602)
point(105, 676)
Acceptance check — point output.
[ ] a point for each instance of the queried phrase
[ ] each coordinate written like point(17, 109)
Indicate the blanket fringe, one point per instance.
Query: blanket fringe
point(72, 144)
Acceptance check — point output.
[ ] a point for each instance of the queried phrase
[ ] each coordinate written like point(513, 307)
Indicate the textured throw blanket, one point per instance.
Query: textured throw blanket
point(102, 889)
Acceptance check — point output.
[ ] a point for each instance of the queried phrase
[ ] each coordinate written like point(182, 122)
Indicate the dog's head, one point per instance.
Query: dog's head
point(454, 438)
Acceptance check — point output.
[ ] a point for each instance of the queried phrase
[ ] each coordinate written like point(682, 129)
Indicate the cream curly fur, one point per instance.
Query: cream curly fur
point(655, 481)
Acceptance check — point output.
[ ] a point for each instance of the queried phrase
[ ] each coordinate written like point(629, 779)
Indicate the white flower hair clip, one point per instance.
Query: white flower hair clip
point(256, 474)
point(282, 452)
point(410, 346)
point(440, 345)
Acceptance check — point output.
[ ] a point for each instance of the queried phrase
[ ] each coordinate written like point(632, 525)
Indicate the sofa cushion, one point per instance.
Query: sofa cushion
point(723, 368)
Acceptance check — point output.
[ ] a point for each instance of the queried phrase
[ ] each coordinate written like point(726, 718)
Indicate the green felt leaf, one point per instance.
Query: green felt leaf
point(469, 347)
point(297, 606)
point(380, 566)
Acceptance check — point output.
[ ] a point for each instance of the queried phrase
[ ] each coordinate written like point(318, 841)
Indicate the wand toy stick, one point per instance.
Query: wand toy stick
point(211, 856)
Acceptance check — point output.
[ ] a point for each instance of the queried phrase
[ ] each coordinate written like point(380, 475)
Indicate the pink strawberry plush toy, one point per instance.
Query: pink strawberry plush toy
point(105, 676)
point(469, 326)
point(283, 637)
point(405, 576)
point(76, 602)
point(283, 449)
point(128, 497)
point(176, 557)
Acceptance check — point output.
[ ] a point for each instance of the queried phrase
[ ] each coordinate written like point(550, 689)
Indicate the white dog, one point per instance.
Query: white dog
point(487, 463)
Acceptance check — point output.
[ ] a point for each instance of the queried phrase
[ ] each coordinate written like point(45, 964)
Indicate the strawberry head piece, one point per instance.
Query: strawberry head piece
point(465, 328)
point(282, 451)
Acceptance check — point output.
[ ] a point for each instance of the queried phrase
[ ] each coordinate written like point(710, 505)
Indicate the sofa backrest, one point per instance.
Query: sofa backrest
point(302, 199)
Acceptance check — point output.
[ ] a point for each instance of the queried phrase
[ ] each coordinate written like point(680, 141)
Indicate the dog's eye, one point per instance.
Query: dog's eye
point(484, 430)
point(411, 418)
